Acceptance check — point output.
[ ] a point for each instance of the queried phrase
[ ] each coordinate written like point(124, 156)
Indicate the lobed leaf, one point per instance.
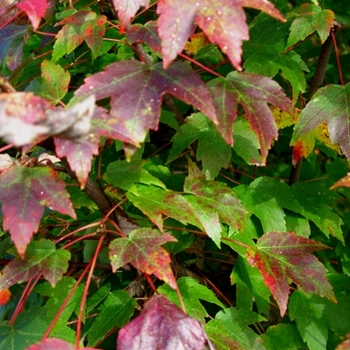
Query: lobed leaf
point(206, 204)
point(41, 258)
point(280, 256)
point(79, 153)
point(35, 10)
point(329, 104)
point(81, 26)
point(308, 19)
point(147, 33)
point(224, 23)
point(24, 192)
point(136, 89)
point(127, 9)
point(142, 249)
point(253, 93)
point(55, 81)
point(162, 326)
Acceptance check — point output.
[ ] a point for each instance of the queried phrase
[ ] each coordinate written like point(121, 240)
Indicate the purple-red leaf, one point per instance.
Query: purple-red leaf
point(223, 21)
point(127, 9)
point(253, 93)
point(136, 89)
point(162, 326)
point(24, 192)
point(41, 257)
point(35, 10)
point(55, 344)
point(330, 104)
point(142, 248)
point(79, 153)
point(281, 256)
point(147, 34)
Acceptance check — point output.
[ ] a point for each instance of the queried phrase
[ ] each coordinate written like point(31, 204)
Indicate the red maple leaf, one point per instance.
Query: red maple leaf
point(35, 10)
point(223, 21)
point(281, 256)
point(136, 89)
point(162, 326)
point(24, 192)
point(253, 93)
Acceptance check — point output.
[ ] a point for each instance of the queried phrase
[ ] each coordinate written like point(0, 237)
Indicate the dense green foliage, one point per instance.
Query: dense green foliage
point(178, 148)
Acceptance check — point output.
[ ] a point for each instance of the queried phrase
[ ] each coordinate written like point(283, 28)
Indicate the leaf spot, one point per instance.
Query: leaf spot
point(91, 87)
point(209, 18)
point(41, 192)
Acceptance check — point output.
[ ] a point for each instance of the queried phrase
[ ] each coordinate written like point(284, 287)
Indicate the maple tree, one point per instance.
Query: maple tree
point(174, 174)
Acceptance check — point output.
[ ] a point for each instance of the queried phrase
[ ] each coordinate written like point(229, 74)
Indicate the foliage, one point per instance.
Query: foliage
point(174, 174)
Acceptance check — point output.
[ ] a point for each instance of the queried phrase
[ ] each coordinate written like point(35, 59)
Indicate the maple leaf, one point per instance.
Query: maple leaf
point(41, 258)
point(309, 18)
point(24, 192)
point(127, 9)
point(329, 104)
point(81, 26)
point(35, 10)
point(147, 33)
point(222, 21)
point(136, 88)
point(79, 153)
point(205, 205)
point(162, 326)
point(253, 93)
point(280, 256)
point(142, 249)
point(55, 344)
point(54, 82)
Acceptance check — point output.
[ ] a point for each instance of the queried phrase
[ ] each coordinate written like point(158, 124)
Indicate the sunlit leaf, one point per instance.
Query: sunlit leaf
point(224, 23)
point(136, 89)
point(35, 10)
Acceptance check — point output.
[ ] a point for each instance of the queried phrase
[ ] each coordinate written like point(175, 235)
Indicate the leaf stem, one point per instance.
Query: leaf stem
point(86, 289)
point(200, 65)
point(64, 304)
